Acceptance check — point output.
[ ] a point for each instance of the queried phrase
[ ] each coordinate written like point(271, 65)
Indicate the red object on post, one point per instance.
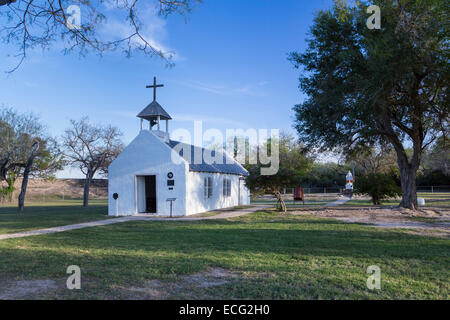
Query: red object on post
point(298, 194)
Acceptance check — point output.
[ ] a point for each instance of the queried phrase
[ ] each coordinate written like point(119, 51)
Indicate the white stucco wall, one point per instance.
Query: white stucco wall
point(244, 194)
point(146, 155)
point(197, 202)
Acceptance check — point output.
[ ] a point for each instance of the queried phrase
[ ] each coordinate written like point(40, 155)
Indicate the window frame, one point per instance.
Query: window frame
point(207, 187)
point(226, 187)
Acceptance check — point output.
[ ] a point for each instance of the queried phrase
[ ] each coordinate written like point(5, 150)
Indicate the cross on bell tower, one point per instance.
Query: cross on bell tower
point(154, 86)
point(154, 113)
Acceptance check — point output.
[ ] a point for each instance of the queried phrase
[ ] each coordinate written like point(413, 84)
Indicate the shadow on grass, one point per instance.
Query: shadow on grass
point(316, 237)
point(37, 217)
point(326, 252)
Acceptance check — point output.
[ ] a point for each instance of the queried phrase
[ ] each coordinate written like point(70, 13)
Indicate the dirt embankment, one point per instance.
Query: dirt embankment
point(59, 187)
point(436, 220)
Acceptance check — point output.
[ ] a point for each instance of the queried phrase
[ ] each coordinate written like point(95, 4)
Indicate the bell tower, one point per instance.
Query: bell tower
point(154, 114)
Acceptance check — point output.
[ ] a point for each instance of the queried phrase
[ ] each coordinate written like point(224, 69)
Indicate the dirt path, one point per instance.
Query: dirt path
point(430, 219)
point(220, 215)
point(338, 202)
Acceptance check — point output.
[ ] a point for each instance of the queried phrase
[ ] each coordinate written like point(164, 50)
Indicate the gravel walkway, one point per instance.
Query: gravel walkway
point(338, 202)
point(220, 215)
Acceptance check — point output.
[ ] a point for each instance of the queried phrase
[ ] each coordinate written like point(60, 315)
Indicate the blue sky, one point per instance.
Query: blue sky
point(231, 72)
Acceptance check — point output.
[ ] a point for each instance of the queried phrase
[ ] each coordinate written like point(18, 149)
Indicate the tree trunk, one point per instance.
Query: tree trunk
point(23, 189)
point(409, 192)
point(281, 205)
point(408, 181)
point(26, 174)
point(408, 170)
point(376, 200)
point(87, 185)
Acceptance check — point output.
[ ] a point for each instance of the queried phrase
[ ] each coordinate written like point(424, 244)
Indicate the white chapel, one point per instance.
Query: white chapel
point(158, 176)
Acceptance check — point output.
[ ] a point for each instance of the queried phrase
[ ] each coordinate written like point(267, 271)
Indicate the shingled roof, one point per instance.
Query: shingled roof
point(229, 165)
point(152, 111)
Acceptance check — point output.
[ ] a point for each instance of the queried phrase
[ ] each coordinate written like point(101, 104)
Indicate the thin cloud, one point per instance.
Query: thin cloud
point(207, 119)
point(251, 89)
point(31, 84)
point(203, 87)
point(153, 30)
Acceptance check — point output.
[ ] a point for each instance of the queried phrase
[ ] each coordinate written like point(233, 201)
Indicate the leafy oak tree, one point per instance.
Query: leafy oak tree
point(293, 166)
point(367, 85)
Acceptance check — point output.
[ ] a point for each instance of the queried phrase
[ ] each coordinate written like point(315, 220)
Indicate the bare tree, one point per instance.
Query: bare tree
point(40, 23)
point(379, 159)
point(91, 148)
point(438, 157)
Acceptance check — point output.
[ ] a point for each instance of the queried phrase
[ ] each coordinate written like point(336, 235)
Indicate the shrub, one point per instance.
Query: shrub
point(379, 186)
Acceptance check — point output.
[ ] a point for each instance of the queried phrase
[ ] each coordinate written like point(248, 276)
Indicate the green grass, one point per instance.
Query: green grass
point(425, 219)
point(290, 203)
point(50, 214)
point(274, 256)
point(434, 195)
point(368, 202)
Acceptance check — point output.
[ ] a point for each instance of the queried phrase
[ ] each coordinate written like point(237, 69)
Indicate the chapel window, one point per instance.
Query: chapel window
point(208, 187)
point(226, 187)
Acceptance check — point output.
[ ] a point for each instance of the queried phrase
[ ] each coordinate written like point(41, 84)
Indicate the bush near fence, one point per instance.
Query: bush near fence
point(315, 190)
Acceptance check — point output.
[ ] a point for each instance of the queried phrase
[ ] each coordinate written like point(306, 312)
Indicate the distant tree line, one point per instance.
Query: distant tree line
point(376, 170)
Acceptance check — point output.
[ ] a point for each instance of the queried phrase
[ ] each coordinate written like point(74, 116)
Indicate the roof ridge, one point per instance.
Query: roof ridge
point(231, 168)
point(153, 110)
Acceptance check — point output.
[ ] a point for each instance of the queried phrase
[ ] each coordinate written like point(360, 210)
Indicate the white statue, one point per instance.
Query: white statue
point(349, 182)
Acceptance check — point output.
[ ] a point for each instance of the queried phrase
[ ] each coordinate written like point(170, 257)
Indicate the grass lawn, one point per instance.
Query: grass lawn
point(50, 214)
point(434, 195)
point(261, 256)
point(368, 202)
point(290, 203)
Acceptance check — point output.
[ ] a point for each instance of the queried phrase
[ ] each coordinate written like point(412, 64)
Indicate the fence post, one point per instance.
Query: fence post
point(432, 190)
